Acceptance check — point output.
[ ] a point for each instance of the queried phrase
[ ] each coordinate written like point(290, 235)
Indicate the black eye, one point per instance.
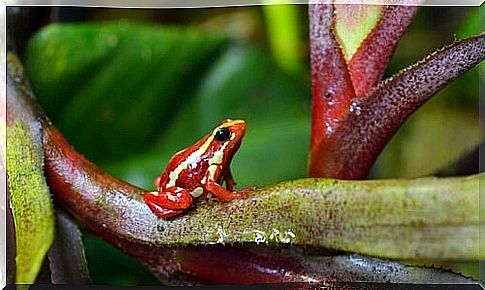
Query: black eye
point(222, 134)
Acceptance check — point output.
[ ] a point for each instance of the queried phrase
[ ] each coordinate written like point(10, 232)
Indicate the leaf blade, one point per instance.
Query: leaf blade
point(67, 261)
point(30, 197)
point(74, 66)
point(359, 139)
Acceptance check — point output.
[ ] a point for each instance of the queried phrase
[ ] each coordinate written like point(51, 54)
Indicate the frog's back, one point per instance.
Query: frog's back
point(188, 167)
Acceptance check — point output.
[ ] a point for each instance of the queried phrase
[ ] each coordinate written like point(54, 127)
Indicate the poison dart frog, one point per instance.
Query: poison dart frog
point(198, 172)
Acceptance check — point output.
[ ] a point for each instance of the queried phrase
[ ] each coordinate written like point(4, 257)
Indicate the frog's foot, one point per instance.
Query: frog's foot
point(243, 192)
point(223, 194)
point(163, 212)
point(168, 203)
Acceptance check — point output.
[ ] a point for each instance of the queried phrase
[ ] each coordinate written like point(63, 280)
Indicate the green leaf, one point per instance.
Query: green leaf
point(470, 25)
point(284, 29)
point(99, 88)
point(456, 131)
point(30, 197)
point(116, 85)
point(243, 83)
point(353, 23)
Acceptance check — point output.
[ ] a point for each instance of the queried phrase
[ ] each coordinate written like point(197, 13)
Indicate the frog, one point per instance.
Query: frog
point(199, 172)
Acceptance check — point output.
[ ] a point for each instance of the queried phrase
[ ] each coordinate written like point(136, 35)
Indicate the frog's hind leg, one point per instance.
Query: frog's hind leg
point(168, 203)
point(170, 198)
point(163, 212)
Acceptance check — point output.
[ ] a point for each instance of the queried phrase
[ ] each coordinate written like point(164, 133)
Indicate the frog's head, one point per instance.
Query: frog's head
point(228, 136)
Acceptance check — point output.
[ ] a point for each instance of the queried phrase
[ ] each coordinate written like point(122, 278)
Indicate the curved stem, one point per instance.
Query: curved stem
point(312, 212)
point(292, 266)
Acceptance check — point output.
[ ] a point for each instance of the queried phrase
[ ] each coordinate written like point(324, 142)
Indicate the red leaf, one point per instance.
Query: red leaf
point(331, 86)
point(334, 81)
point(368, 64)
point(359, 139)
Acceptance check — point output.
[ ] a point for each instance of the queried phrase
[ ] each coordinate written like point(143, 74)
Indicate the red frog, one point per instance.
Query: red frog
point(198, 171)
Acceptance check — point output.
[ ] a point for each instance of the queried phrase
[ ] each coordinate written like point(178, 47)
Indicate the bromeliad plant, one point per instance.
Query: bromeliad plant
point(354, 115)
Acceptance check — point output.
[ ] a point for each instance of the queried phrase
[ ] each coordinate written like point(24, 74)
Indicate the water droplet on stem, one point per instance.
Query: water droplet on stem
point(355, 108)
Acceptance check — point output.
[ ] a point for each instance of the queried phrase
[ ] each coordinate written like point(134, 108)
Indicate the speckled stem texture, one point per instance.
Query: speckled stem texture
point(359, 138)
point(405, 219)
point(30, 200)
point(427, 218)
point(336, 82)
point(368, 64)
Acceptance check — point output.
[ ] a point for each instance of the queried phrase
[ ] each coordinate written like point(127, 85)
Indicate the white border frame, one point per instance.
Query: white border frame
point(228, 3)
point(3, 146)
point(153, 4)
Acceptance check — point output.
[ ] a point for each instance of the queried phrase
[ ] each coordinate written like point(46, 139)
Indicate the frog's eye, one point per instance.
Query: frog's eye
point(222, 134)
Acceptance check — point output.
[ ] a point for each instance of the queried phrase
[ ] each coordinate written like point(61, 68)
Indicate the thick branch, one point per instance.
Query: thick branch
point(323, 213)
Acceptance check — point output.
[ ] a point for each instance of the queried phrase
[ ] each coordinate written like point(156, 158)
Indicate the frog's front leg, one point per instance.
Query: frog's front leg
point(169, 202)
point(157, 182)
point(230, 184)
point(229, 179)
point(216, 189)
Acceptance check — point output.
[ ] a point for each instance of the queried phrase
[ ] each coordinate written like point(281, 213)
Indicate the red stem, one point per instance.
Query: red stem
point(98, 200)
point(360, 137)
point(336, 83)
point(332, 89)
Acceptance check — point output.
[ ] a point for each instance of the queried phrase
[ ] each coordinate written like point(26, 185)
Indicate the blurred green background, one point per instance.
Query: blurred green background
point(129, 87)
